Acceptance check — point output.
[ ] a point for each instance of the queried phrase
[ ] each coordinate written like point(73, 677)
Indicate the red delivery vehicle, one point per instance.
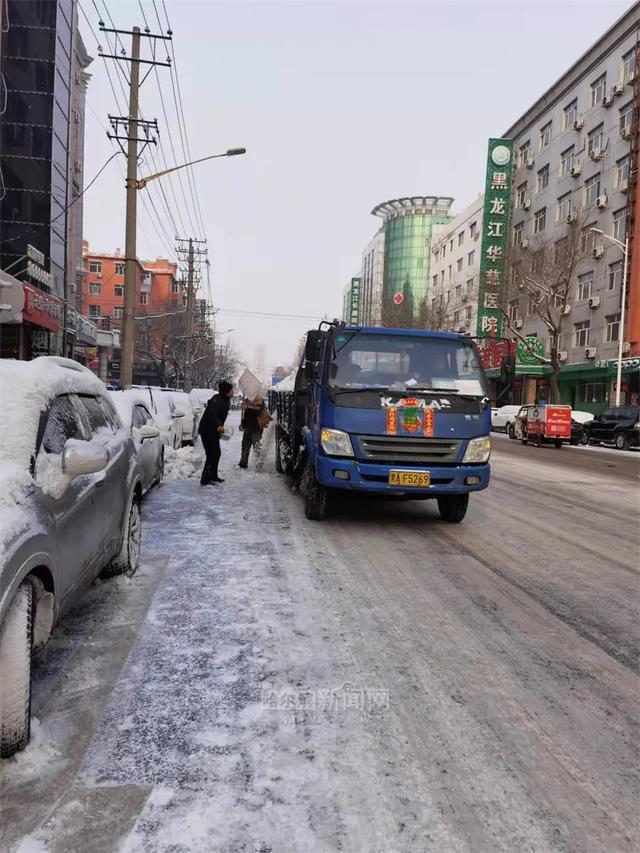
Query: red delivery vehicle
point(544, 424)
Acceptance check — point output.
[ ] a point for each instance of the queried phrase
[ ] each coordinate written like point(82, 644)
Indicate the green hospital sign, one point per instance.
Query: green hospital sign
point(354, 311)
point(495, 238)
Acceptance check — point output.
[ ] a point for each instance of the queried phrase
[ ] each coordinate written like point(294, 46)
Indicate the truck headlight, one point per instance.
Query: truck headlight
point(335, 442)
point(478, 450)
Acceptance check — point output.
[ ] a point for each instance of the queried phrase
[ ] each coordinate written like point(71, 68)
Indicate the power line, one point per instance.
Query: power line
point(245, 313)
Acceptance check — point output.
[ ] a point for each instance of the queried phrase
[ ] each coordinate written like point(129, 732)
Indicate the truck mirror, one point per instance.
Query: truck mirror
point(312, 346)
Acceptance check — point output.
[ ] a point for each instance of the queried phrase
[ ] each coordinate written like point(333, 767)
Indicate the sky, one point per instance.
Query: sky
point(341, 105)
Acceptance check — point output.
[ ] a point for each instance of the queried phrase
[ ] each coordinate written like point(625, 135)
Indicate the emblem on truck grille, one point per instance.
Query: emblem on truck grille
point(409, 417)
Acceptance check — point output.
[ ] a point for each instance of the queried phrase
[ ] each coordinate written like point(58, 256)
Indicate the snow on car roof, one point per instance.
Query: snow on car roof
point(124, 402)
point(26, 387)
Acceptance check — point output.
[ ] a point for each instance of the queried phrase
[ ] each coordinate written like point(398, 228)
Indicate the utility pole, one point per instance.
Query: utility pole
point(191, 253)
point(132, 125)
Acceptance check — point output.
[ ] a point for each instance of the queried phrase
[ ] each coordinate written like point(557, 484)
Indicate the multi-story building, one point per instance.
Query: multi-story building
point(455, 270)
point(395, 265)
point(573, 170)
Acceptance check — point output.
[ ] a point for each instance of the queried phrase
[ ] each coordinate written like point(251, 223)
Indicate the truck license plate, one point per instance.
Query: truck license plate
point(411, 479)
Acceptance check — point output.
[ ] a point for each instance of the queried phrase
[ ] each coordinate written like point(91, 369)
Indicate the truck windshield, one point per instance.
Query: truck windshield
point(403, 362)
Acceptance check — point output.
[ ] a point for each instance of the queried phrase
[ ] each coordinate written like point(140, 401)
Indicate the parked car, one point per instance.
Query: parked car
point(133, 409)
point(504, 419)
point(199, 398)
point(619, 425)
point(70, 491)
point(578, 422)
point(167, 415)
point(183, 403)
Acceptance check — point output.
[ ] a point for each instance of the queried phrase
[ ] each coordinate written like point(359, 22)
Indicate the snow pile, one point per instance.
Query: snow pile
point(184, 463)
point(288, 383)
point(40, 751)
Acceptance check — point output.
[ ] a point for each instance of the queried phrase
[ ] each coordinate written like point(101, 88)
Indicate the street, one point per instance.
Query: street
point(381, 681)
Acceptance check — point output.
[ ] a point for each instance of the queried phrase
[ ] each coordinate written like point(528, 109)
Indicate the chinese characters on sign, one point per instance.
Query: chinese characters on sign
point(354, 314)
point(410, 415)
point(495, 231)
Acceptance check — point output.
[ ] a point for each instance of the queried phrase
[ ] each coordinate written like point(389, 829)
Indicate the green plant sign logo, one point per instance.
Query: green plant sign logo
point(526, 353)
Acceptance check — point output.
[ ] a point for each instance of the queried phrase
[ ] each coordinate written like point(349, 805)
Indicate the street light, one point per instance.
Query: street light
point(625, 249)
point(232, 152)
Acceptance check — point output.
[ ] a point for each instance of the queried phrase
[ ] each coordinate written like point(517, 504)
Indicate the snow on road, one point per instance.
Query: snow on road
point(380, 682)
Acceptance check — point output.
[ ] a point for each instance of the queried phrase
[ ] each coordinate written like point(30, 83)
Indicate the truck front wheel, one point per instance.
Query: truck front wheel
point(453, 508)
point(317, 498)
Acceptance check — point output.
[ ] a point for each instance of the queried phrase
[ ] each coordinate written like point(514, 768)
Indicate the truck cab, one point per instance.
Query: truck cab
point(387, 412)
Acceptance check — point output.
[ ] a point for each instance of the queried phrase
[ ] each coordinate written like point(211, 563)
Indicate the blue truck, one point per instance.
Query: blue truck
point(396, 413)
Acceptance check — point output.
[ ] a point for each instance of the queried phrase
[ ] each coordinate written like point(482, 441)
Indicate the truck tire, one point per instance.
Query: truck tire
point(317, 498)
point(279, 465)
point(16, 643)
point(453, 508)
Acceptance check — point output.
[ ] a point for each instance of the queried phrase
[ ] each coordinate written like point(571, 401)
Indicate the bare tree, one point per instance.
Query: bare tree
point(541, 277)
point(434, 314)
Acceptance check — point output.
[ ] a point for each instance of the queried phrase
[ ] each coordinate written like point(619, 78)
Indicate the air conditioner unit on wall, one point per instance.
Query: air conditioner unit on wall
point(578, 123)
point(576, 169)
point(524, 244)
point(590, 352)
point(624, 186)
point(572, 217)
point(618, 89)
point(607, 100)
point(596, 153)
point(563, 355)
point(625, 133)
point(567, 310)
point(601, 202)
point(594, 301)
point(518, 324)
point(598, 251)
point(530, 162)
point(526, 204)
point(626, 347)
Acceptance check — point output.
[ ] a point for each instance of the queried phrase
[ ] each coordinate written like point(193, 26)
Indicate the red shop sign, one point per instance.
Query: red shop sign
point(42, 309)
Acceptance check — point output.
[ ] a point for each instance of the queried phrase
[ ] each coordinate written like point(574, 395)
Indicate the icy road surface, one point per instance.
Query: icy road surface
point(378, 682)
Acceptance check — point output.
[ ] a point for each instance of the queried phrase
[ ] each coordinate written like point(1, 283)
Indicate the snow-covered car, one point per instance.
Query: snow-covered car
point(133, 409)
point(503, 419)
point(167, 415)
point(70, 491)
point(183, 404)
point(199, 398)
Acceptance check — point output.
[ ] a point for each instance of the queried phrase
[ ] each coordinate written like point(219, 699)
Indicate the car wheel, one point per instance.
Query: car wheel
point(584, 439)
point(128, 557)
point(317, 498)
point(511, 431)
point(16, 643)
point(453, 508)
point(558, 443)
point(621, 441)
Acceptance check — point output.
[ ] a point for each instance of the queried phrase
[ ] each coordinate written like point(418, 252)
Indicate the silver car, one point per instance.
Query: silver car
point(134, 411)
point(70, 491)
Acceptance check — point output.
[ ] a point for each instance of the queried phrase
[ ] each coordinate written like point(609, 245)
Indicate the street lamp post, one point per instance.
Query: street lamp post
point(625, 249)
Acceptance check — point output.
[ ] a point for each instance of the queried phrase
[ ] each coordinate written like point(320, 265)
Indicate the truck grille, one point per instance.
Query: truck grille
point(418, 451)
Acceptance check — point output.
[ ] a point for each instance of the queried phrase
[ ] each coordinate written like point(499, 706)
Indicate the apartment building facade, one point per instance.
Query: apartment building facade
point(574, 170)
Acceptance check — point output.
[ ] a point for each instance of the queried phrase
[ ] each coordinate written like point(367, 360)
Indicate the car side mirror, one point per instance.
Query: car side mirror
point(83, 457)
point(147, 431)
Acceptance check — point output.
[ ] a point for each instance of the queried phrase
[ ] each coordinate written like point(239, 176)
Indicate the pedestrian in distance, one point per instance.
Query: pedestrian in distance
point(211, 428)
point(253, 421)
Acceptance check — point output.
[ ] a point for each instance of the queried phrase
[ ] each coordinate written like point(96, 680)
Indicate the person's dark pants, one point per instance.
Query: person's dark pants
point(249, 440)
point(212, 449)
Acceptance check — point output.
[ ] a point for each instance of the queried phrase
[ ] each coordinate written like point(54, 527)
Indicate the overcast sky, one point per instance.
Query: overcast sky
point(341, 106)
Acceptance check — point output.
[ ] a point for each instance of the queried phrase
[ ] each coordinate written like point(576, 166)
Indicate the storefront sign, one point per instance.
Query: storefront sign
point(495, 239)
point(492, 353)
point(526, 352)
point(354, 310)
point(627, 363)
point(41, 309)
point(11, 299)
point(84, 330)
point(35, 267)
point(39, 342)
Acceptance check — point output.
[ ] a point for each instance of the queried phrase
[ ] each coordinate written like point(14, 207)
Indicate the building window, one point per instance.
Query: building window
point(620, 224)
point(94, 310)
point(119, 269)
point(459, 264)
point(588, 238)
point(451, 245)
point(449, 272)
point(95, 266)
point(470, 258)
point(118, 312)
point(598, 90)
point(629, 65)
point(521, 194)
point(564, 207)
point(592, 190)
point(545, 135)
point(585, 285)
point(523, 153)
point(518, 234)
point(144, 298)
point(118, 290)
point(175, 287)
point(456, 318)
point(513, 310)
point(543, 178)
point(566, 161)
point(622, 172)
point(435, 280)
point(94, 287)
point(459, 292)
point(581, 334)
point(444, 250)
point(537, 263)
point(615, 275)
point(612, 329)
point(473, 230)
point(561, 251)
point(595, 392)
point(469, 285)
point(442, 277)
point(461, 238)
point(569, 115)
point(540, 220)
point(531, 304)
point(468, 311)
point(626, 116)
point(595, 141)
